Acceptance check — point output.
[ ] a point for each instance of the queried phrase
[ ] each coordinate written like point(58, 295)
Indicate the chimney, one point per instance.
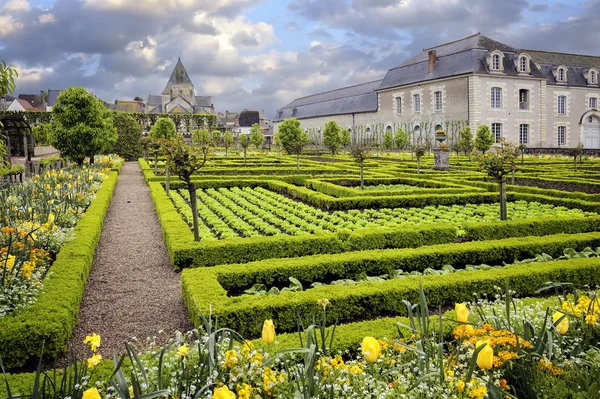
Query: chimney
point(43, 100)
point(432, 60)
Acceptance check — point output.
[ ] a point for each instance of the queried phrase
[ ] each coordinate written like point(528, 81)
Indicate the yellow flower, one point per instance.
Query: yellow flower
point(462, 313)
point(371, 349)
point(231, 358)
point(460, 385)
point(131, 392)
point(94, 361)
point(591, 319)
point(182, 351)
point(563, 326)
point(93, 341)
point(247, 347)
point(223, 393)
point(91, 393)
point(268, 332)
point(324, 303)
point(485, 358)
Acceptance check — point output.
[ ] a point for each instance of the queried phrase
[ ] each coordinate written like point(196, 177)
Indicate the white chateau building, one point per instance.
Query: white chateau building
point(541, 99)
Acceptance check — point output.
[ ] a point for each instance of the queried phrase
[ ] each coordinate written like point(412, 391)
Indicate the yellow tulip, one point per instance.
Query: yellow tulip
point(563, 326)
point(223, 393)
point(91, 393)
point(462, 313)
point(268, 332)
point(485, 358)
point(371, 349)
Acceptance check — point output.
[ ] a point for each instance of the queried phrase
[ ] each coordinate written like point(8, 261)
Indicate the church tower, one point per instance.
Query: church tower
point(179, 84)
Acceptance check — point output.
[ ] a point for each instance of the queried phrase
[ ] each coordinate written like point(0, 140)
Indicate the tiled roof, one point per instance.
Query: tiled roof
point(25, 104)
point(35, 100)
point(128, 106)
point(179, 75)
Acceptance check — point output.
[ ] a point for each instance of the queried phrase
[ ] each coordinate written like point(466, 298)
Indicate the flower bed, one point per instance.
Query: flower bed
point(51, 316)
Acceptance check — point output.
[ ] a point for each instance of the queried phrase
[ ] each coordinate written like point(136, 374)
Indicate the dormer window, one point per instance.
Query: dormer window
point(523, 64)
point(496, 62)
point(593, 77)
point(562, 75)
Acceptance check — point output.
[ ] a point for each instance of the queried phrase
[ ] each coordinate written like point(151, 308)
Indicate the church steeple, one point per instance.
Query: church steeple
point(179, 75)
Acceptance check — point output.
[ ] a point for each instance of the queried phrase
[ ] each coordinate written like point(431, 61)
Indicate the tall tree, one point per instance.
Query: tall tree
point(81, 126)
point(185, 160)
point(331, 137)
point(293, 138)
point(400, 139)
point(484, 139)
point(244, 142)
point(498, 165)
point(129, 132)
point(227, 141)
point(8, 73)
point(256, 136)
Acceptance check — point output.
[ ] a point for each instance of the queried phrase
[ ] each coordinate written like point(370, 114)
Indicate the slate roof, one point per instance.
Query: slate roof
point(35, 100)
point(154, 100)
point(204, 101)
point(353, 99)
point(576, 65)
point(248, 118)
point(179, 75)
point(52, 96)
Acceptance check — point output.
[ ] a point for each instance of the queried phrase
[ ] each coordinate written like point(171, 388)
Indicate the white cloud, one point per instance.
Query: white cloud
point(47, 18)
point(31, 74)
point(146, 52)
point(16, 5)
point(8, 25)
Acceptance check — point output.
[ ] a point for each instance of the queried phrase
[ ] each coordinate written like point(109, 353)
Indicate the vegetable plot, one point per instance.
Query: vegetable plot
point(249, 212)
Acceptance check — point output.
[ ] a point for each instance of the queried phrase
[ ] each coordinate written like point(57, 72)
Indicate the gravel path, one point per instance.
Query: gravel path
point(132, 290)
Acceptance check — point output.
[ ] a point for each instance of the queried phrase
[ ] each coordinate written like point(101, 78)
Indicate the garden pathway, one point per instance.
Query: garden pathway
point(132, 290)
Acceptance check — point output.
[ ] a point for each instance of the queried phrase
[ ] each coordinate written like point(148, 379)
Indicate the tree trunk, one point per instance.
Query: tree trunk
point(512, 180)
point(332, 154)
point(298, 163)
point(79, 162)
point(226, 152)
point(362, 180)
point(522, 157)
point(503, 215)
point(156, 163)
point(575, 162)
point(167, 181)
point(418, 165)
point(194, 206)
point(244, 157)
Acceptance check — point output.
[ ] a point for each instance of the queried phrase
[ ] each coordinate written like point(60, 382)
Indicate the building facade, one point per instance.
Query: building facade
point(541, 99)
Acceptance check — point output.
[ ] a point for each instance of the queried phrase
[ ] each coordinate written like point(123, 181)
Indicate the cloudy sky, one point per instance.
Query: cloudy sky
point(261, 54)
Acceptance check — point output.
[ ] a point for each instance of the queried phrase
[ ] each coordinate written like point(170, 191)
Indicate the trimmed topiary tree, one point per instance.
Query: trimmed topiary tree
point(244, 142)
point(292, 138)
point(484, 139)
point(331, 137)
point(129, 136)
point(498, 165)
point(256, 136)
point(81, 126)
point(227, 142)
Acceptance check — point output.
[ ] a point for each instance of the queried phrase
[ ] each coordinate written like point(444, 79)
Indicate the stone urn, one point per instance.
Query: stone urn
point(440, 136)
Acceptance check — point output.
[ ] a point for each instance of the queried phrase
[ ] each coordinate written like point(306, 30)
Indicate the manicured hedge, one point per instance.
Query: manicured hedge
point(204, 287)
point(51, 319)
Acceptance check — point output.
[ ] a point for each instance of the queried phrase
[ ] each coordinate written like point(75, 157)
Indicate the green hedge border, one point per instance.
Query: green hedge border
point(209, 287)
point(51, 319)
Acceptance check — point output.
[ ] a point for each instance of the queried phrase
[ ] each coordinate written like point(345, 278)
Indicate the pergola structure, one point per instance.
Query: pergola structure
point(16, 125)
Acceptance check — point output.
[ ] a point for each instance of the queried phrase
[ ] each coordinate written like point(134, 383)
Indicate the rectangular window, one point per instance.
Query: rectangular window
point(497, 132)
point(438, 101)
point(593, 102)
point(523, 99)
point(561, 105)
point(417, 102)
point(496, 97)
point(398, 105)
point(562, 135)
point(523, 134)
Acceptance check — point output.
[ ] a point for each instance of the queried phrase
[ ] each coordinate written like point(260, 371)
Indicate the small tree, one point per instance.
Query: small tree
point(216, 137)
point(129, 140)
point(293, 138)
point(244, 142)
point(360, 152)
point(227, 141)
point(400, 139)
point(575, 152)
point(332, 139)
point(419, 152)
point(484, 139)
point(81, 126)
point(465, 141)
point(345, 138)
point(388, 140)
point(498, 165)
point(163, 128)
point(185, 160)
point(256, 136)
point(522, 148)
